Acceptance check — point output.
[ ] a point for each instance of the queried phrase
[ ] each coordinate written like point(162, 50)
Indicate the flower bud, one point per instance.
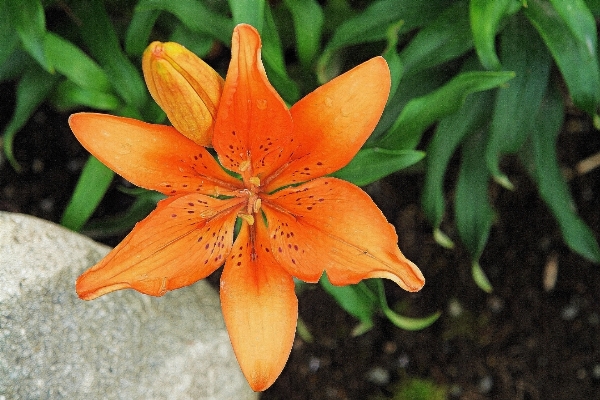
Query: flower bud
point(185, 87)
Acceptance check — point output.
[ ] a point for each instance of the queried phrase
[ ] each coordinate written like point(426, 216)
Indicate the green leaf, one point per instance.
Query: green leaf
point(568, 29)
point(100, 37)
point(29, 21)
point(370, 165)
point(449, 134)
point(68, 95)
point(402, 322)
point(91, 187)
point(480, 278)
point(393, 59)
point(371, 25)
point(421, 112)
point(272, 52)
point(474, 214)
point(248, 11)
point(551, 184)
point(447, 37)
point(73, 63)
point(485, 18)
point(138, 33)
point(195, 15)
point(518, 102)
point(357, 300)
point(10, 38)
point(198, 43)
point(33, 88)
point(308, 25)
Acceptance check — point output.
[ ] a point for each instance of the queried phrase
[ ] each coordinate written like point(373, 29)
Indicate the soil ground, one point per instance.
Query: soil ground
point(522, 341)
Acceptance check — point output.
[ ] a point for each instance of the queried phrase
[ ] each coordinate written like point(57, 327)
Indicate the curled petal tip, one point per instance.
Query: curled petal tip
point(183, 85)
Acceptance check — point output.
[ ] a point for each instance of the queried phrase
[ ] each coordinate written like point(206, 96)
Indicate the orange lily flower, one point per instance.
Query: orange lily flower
point(295, 221)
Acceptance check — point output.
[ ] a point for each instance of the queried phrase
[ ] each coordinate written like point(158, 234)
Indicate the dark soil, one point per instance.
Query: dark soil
point(520, 342)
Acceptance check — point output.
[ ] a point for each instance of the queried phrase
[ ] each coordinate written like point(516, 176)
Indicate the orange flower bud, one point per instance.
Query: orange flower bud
point(185, 87)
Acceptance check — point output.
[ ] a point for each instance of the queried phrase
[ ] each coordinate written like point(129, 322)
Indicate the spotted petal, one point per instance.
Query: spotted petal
point(331, 225)
point(259, 306)
point(253, 130)
point(334, 121)
point(151, 156)
point(184, 240)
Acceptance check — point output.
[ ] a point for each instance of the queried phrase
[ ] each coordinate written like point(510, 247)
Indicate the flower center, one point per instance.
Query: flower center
point(252, 193)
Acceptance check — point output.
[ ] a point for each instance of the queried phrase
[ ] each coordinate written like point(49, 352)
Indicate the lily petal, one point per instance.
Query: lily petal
point(184, 240)
point(259, 306)
point(155, 157)
point(185, 87)
point(329, 224)
point(335, 120)
point(253, 130)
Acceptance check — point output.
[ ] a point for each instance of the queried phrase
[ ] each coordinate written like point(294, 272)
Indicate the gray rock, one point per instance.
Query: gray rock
point(124, 345)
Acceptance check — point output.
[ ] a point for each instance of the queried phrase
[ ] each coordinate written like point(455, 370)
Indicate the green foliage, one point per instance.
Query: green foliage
point(478, 101)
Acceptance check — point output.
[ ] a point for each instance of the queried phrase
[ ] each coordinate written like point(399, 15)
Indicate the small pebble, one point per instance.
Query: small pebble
point(314, 364)
point(570, 311)
point(378, 376)
point(403, 361)
point(485, 384)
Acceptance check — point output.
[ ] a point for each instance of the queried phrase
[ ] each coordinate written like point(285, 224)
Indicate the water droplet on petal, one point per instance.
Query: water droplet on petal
point(261, 104)
point(328, 102)
point(346, 110)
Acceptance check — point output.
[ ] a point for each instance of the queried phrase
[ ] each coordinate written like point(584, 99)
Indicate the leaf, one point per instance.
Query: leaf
point(91, 187)
point(423, 111)
point(402, 322)
point(10, 38)
point(29, 21)
point(392, 58)
point(485, 19)
point(480, 278)
point(449, 134)
point(357, 300)
point(518, 102)
point(272, 52)
point(248, 11)
point(371, 164)
point(568, 29)
point(68, 95)
point(474, 214)
point(33, 88)
point(195, 15)
point(138, 33)
point(447, 37)
point(103, 44)
point(551, 184)
point(308, 25)
point(73, 63)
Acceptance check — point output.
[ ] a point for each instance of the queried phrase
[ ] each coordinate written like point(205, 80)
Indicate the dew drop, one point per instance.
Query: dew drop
point(346, 110)
point(261, 104)
point(328, 102)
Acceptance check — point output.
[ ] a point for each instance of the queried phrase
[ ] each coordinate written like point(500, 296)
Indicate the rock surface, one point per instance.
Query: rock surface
point(124, 345)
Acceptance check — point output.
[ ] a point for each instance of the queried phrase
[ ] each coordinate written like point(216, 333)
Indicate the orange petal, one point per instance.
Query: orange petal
point(151, 156)
point(334, 121)
point(185, 87)
point(253, 131)
point(259, 306)
point(184, 240)
point(329, 224)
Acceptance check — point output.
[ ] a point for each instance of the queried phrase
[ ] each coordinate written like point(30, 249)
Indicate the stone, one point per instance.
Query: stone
point(124, 345)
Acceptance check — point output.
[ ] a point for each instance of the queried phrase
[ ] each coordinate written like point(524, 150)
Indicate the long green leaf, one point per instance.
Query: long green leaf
point(195, 15)
point(30, 23)
point(474, 214)
point(446, 38)
point(568, 29)
point(308, 25)
point(551, 184)
point(138, 33)
point(421, 112)
point(485, 19)
point(91, 187)
point(372, 164)
point(98, 33)
point(68, 95)
point(10, 38)
point(73, 63)
point(33, 88)
point(517, 104)
point(450, 132)
point(248, 11)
